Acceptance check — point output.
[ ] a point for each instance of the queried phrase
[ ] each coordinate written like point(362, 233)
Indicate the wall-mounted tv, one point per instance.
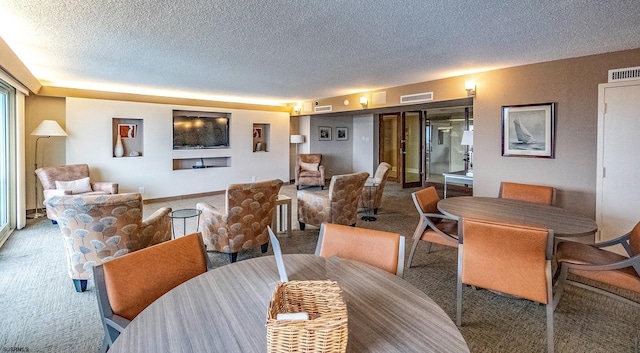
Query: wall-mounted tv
point(198, 130)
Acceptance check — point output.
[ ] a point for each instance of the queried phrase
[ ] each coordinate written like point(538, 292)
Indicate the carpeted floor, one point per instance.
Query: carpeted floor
point(41, 312)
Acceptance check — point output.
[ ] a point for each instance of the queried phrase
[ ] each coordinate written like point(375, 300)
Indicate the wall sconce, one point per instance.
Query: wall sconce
point(364, 102)
point(296, 109)
point(470, 87)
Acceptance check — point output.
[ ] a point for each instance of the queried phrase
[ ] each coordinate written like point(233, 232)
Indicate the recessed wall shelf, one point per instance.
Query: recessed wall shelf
point(131, 135)
point(261, 137)
point(201, 163)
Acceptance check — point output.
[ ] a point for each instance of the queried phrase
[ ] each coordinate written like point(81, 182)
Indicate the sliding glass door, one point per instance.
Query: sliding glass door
point(7, 162)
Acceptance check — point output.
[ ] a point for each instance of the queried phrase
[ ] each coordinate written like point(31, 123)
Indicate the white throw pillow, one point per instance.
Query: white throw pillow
point(310, 167)
point(79, 186)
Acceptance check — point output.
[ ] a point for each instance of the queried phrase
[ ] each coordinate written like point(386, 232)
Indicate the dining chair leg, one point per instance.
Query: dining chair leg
point(413, 250)
point(459, 288)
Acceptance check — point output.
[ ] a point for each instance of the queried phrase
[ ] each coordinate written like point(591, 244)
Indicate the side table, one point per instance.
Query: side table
point(279, 216)
point(184, 214)
point(370, 184)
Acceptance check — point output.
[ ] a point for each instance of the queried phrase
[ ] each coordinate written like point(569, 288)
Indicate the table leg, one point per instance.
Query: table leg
point(445, 187)
point(368, 208)
point(289, 218)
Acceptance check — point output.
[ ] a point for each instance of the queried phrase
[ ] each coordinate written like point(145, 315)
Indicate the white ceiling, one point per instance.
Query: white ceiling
point(284, 51)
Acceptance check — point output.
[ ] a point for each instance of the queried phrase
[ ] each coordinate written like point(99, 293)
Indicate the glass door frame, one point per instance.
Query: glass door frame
point(7, 160)
point(418, 149)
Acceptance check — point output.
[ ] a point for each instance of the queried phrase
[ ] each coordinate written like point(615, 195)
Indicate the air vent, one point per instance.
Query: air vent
point(415, 98)
point(324, 108)
point(630, 73)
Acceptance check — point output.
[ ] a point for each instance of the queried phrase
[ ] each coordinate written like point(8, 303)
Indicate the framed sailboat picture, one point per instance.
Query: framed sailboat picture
point(528, 130)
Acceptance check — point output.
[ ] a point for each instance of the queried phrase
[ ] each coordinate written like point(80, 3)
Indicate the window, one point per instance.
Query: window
point(7, 161)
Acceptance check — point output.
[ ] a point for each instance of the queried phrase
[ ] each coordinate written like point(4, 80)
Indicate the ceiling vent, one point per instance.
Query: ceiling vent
point(324, 108)
point(415, 98)
point(630, 73)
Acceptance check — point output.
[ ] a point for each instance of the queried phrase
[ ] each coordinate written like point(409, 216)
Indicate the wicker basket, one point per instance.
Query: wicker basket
point(325, 331)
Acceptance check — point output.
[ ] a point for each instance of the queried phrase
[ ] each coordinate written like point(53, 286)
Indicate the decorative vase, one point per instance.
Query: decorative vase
point(118, 151)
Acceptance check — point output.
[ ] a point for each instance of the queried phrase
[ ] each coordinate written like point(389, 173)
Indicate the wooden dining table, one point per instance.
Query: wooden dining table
point(224, 310)
point(564, 223)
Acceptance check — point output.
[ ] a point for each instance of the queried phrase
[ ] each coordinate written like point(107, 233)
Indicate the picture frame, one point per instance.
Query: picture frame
point(342, 134)
point(324, 133)
point(257, 132)
point(128, 131)
point(528, 130)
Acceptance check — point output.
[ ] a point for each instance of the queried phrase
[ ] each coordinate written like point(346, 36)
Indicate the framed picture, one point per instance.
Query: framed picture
point(528, 130)
point(342, 133)
point(127, 131)
point(324, 133)
point(257, 132)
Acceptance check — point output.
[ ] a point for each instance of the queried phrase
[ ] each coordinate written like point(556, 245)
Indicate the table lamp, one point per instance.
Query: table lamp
point(46, 129)
point(467, 140)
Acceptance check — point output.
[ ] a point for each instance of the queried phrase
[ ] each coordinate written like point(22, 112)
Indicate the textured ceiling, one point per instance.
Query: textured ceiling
point(299, 49)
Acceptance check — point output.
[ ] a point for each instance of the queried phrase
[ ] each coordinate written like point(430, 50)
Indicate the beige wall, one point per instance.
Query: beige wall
point(51, 151)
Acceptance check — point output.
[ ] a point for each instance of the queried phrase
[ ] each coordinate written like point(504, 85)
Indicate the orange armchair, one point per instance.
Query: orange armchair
point(433, 226)
point(243, 224)
point(592, 262)
point(377, 248)
point(511, 259)
point(309, 171)
point(526, 192)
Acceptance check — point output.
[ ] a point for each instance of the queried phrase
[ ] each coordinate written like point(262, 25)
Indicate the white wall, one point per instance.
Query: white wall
point(89, 126)
point(363, 139)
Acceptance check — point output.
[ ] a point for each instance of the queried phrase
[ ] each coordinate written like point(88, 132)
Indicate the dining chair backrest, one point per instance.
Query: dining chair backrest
point(508, 258)
point(384, 250)
point(527, 192)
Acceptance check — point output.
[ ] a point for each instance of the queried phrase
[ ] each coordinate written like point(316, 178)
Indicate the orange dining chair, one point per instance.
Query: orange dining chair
point(384, 250)
point(433, 226)
point(511, 259)
point(128, 284)
point(592, 262)
point(527, 192)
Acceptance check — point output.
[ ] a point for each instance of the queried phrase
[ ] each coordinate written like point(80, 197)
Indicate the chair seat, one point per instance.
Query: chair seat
point(577, 253)
point(309, 173)
point(450, 228)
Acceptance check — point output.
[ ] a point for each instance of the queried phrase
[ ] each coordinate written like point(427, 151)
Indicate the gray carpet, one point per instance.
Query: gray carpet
point(41, 312)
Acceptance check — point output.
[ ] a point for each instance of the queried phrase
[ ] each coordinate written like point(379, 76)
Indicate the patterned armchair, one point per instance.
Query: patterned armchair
point(338, 205)
point(98, 228)
point(309, 171)
point(243, 224)
point(70, 180)
point(372, 196)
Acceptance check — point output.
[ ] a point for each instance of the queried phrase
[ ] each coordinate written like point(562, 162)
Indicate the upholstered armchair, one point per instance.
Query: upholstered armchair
point(337, 205)
point(71, 180)
point(309, 171)
point(98, 228)
point(372, 196)
point(243, 223)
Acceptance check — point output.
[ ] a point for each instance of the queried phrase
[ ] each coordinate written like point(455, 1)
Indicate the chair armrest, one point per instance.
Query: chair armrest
point(110, 188)
point(629, 262)
point(157, 216)
point(117, 322)
point(425, 222)
point(619, 240)
point(321, 170)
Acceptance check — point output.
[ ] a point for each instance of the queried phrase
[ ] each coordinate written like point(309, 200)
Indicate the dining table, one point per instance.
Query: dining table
point(225, 310)
point(563, 222)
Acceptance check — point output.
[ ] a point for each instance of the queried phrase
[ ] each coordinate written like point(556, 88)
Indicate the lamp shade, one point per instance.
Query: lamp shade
point(297, 139)
point(467, 138)
point(48, 128)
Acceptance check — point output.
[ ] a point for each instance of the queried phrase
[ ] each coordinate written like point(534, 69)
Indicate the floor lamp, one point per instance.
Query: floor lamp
point(46, 129)
point(297, 139)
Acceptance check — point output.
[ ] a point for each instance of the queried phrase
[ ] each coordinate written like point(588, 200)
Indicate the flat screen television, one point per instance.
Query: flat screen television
point(198, 130)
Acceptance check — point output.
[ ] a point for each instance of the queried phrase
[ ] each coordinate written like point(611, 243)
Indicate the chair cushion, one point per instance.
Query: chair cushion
point(578, 253)
point(311, 167)
point(79, 186)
